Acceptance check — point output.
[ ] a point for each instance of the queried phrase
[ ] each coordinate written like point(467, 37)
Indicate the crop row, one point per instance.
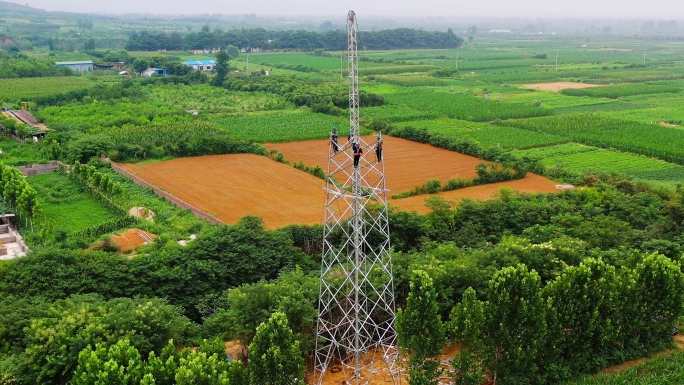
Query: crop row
point(283, 126)
point(555, 151)
point(392, 113)
point(554, 100)
point(464, 107)
point(205, 98)
point(26, 88)
point(486, 134)
point(618, 105)
point(620, 90)
point(395, 69)
point(191, 138)
point(98, 115)
point(601, 131)
point(610, 161)
point(412, 80)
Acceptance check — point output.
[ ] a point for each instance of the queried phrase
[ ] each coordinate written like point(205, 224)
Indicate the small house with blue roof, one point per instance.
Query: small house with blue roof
point(201, 65)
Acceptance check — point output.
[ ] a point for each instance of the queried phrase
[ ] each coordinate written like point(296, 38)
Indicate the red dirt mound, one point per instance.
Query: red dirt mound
point(132, 238)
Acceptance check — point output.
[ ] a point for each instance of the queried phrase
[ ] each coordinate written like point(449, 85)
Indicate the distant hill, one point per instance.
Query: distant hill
point(14, 7)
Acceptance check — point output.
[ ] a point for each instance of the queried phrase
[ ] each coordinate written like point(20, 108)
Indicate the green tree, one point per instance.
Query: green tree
point(89, 45)
point(661, 284)
point(293, 294)
point(465, 327)
point(275, 357)
point(161, 368)
point(28, 205)
point(199, 369)
point(119, 365)
point(233, 52)
point(421, 332)
point(222, 68)
point(582, 316)
point(140, 65)
point(55, 341)
point(515, 325)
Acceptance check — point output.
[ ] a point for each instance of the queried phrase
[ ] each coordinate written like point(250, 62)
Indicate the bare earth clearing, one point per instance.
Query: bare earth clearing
point(558, 86)
point(131, 239)
point(407, 163)
point(232, 186)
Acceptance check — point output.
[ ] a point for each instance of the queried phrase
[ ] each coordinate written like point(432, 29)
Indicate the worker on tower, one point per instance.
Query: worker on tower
point(349, 135)
point(357, 150)
point(378, 148)
point(333, 140)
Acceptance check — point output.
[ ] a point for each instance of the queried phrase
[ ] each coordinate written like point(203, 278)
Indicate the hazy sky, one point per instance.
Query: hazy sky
point(666, 9)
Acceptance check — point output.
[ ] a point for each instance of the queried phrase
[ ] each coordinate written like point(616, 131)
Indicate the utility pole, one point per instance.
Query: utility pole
point(556, 60)
point(644, 57)
point(456, 61)
point(356, 314)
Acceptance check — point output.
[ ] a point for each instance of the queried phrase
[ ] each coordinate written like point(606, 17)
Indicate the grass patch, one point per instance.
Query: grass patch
point(65, 204)
point(281, 126)
point(26, 88)
point(18, 154)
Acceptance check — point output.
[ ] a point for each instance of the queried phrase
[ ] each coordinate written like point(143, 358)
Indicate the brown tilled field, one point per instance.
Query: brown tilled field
point(558, 86)
point(232, 186)
point(407, 163)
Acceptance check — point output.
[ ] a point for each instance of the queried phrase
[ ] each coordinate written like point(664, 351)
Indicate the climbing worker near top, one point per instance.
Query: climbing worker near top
point(378, 148)
point(333, 140)
point(357, 150)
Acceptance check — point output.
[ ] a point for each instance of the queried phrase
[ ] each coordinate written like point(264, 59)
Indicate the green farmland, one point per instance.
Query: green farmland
point(475, 93)
point(66, 205)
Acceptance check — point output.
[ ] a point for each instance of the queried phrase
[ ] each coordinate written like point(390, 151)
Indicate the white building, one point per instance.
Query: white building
point(79, 66)
point(205, 50)
point(155, 71)
point(201, 65)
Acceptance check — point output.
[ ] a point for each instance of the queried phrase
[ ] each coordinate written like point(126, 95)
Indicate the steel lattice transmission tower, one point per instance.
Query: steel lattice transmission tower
point(355, 329)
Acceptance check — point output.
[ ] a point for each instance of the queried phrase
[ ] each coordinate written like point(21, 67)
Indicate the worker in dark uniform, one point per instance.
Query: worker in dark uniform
point(378, 148)
point(357, 150)
point(333, 140)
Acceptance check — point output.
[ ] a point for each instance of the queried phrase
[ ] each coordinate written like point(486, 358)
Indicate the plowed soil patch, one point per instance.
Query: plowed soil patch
point(407, 163)
point(532, 183)
point(131, 239)
point(558, 86)
point(232, 186)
